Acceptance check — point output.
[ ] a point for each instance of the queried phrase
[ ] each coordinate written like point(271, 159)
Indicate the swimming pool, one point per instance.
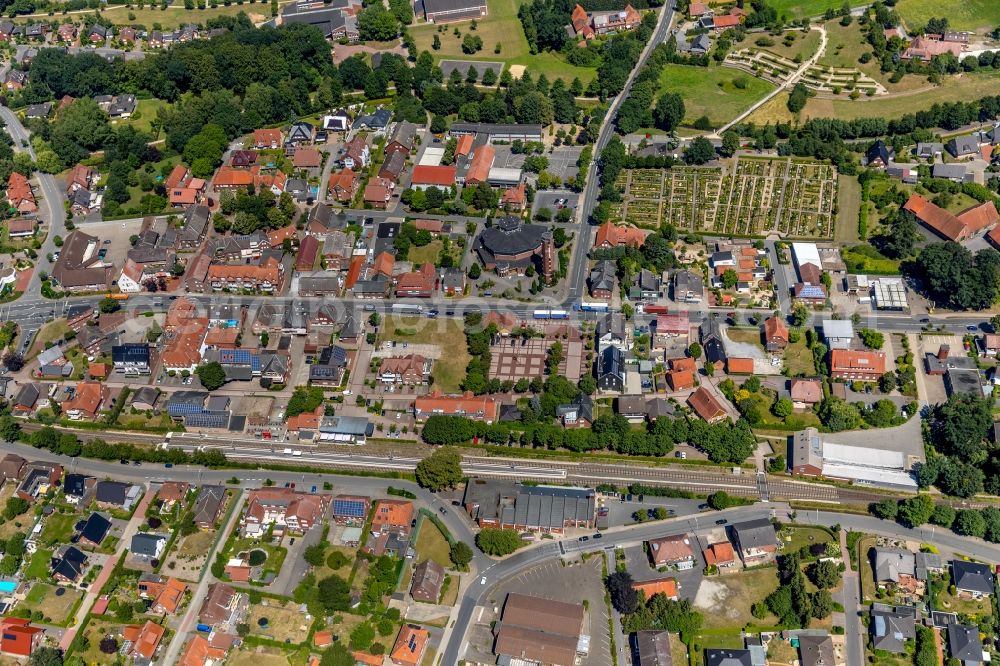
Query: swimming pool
point(7, 586)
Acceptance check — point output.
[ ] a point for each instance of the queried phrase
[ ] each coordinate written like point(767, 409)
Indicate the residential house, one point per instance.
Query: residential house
point(720, 555)
point(67, 565)
point(892, 627)
point(143, 640)
point(392, 515)
point(410, 645)
point(419, 283)
point(857, 365)
point(775, 334)
point(972, 579)
point(898, 567)
point(412, 369)
point(879, 155)
point(479, 408)
point(377, 193)
point(611, 369)
point(602, 279)
point(965, 645)
point(428, 576)
point(208, 505)
point(707, 406)
point(86, 401)
point(329, 367)
point(689, 287)
point(756, 541)
point(611, 235)
point(805, 392)
point(283, 508)
point(343, 186)
point(131, 358)
point(149, 546)
point(18, 637)
point(712, 341)
point(402, 139)
point(267, 138)
point(672, 551)
point(19, 194)
point(350, 509)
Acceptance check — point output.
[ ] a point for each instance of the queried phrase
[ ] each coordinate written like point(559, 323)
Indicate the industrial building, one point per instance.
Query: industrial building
point(883, 461)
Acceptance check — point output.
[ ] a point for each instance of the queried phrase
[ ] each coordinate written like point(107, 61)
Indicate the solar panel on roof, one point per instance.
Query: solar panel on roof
point(351, 508)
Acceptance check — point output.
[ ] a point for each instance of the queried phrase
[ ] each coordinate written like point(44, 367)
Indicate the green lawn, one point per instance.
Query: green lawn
point(794, 538)
point(38, 566)
point(431, 253)
point(798, 358)
point(58, 528)
point(848, 205)
point(961, 14)
point(449, 369)
point(972, 607)
point(56, 608)
point(175, 17)
point(734, 595)
point(502, 27)
point(144, 114)
point(713, 91)
point(808, 8)
point(431, 544)
point(803, 46)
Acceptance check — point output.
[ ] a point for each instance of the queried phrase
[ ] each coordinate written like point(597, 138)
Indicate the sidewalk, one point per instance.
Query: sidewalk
point(138, 518)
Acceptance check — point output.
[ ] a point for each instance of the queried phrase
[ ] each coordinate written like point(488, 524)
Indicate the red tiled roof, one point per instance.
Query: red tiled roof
point(267, 137)
point(611, 235)
point(433, 226)
point(384, 263)
point(466, 404)
point(806, 390)
point(706, 405)
point(774, 328)
point(410, 644)
point(307, 158)
point(719, 553)
point(354, 271)
point(438, 176)
point(739, 366)
point(482, 162)
point(664, 586)
point(848, 360)
point(727, 21)
point(953, 227)
point(463, 145)
point(227, 176)
point(308, 249)
point(177, 176)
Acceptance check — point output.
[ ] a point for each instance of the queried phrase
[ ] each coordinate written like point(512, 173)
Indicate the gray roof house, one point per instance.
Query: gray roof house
point(756, 540)
point(964, 145)
point(892, 627)
point(602, 277)
point(148, 545)
point(954, 172)
point(972, 577)
point(816, 650)
point(891, 563)
point(689, 287)
point(653, 648)
point(611, 369)
point(929, 150)
point(965, 645)
point(611, 330)
point(645, 285)
point(728, 657)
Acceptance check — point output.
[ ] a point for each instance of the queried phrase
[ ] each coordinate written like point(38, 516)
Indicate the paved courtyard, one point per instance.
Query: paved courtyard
point(516, 358)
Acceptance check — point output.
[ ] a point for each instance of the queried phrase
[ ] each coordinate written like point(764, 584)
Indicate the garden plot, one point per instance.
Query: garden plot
point(749, 197)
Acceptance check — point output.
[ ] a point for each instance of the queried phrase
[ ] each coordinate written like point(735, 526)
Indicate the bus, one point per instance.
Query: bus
point(558, 314)
point(405, 308)
point(592, 306)
point(541, 314)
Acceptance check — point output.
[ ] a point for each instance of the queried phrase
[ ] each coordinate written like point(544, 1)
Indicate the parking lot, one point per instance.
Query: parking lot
point(549, 200)
point(505, 159)
point(575, 582)
point(562, 161)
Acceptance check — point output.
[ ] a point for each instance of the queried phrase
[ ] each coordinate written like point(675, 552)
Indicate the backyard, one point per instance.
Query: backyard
point(721, 93)
point(54, 603)
point(38, 565)
point(799, 359)
point(283, 621)
point(447, 334)
point(431, 253)
point(728, 599)
point(145, 114)
point(58, 529)
point(431, 544)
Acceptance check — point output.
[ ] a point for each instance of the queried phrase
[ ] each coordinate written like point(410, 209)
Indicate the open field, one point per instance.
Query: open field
point(501, 27)
point(807, 8)
point(798, 358)
point(38, 565)
point(803, 46)
point(727, 599)
point(56, 608)
point(848, 206)
point(284, 621)
point(961, 14)
point(431, 544)
point(175, 17)
point(713, 91)
point(449, 369)
point(968, 86)
point(144, 114)
point(794, 538)
point(431, 253)
point(261, 656)
point(751, 197)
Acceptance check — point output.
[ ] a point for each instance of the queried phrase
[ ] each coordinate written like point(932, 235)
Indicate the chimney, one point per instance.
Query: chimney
point(548, 256)
point(943, 352)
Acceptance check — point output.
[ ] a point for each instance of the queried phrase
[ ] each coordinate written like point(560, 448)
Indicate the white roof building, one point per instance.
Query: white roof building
point(806, 253)
point(432, 156)
point(838, 333)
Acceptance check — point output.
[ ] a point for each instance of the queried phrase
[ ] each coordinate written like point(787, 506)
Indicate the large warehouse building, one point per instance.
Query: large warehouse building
point(856, 457)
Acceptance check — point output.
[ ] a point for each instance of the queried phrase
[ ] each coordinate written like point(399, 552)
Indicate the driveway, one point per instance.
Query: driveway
point(294, 566)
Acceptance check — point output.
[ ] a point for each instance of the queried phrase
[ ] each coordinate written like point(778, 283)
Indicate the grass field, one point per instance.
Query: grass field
point(798, 358)
point(431, 252)
point(712, 91)
point(95, 631)
point(52, 331)
point(176, 17)
point(733, 595)
point(501, 26)
point(805, 44)
point(750, 336)
point(284, 621)
point(196, 544)
point(972, 607)
point(961, 14)
point(794, 538)
point(42, 597)
point(448, 334)
point(38, 565)
point(807, 8)
point(58, 529)
point(431, 544)
point(256, 657)
point(848, 205)
point(144, 115)
point(966, 86)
